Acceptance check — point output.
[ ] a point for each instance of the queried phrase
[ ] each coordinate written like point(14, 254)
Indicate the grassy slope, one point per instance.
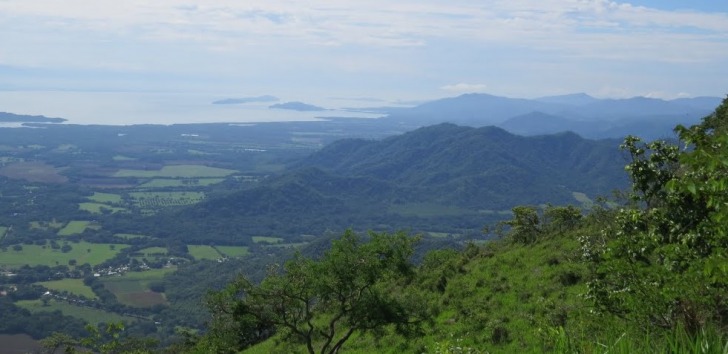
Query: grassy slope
point(90, 315)
point(74, 286)
point(37, 255)
point(501, 297)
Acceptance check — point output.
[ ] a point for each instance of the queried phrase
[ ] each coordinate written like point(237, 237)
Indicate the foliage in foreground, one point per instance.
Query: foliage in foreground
point(355, 288)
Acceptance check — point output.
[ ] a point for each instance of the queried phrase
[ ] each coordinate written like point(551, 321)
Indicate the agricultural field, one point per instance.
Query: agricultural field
point(106, 198)
point(33, 172)
point(203, 252)
point(73, 286)
point(233, 251)
point(267, 240)
point(82, 252)
point(75, 227)
point(98, 208)
point(172, 183)
point(156, 200)
point(88, 314)
point(177, 171)
point(133, 288)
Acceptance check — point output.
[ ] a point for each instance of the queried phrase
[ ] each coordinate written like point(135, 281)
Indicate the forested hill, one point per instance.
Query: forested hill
point(481, 167)
point(444, 177)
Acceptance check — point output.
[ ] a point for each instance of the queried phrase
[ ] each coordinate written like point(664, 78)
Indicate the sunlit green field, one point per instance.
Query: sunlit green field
point(82, 252)
point(77, 227)
point(177, 171)
point(90, 315)
point(233, 251)
point(74, 286)
point(98, 208)
point(106, 198)
point(203, 252)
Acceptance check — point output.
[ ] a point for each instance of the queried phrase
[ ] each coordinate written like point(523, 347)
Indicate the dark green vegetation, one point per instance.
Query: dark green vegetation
point(443, 178)
point(143, 221)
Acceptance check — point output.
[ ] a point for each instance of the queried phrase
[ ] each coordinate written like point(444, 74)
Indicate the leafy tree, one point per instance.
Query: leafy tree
point(525, 225)
point(664, 262)
point(355, 287)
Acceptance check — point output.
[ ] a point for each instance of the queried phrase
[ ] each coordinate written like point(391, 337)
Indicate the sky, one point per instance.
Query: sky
point(380, 49)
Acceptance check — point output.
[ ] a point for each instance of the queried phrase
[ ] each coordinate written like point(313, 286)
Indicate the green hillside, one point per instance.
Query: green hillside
point(443, 178)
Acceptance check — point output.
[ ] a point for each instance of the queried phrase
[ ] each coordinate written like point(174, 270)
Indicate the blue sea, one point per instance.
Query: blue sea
point(126, 108)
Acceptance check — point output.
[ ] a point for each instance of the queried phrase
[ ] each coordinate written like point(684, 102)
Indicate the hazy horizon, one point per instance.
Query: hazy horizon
point(388, 51)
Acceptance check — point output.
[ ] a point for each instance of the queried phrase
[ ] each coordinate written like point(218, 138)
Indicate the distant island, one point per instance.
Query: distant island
point(297, 106)
point(265, 98)
point(19, 118)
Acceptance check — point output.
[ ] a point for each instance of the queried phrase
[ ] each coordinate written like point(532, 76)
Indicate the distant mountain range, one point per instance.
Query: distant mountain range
point(442, 177)
point(580, 113)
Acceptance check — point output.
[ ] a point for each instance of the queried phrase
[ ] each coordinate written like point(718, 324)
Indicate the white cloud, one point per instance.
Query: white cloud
point(428, 40)
point(464, 87)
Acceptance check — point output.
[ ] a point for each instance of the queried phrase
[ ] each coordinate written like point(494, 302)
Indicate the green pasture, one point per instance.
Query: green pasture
point(233, 251)
point(73, 286)
point(106, 198)
point(88, 314)
point(177, 171)
point(133, 288)
point(203, 252)
point(77, 227)
point(98, 208)
point(187, 182)
point(267, 239)
point(82, 252)
point(123, 158)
